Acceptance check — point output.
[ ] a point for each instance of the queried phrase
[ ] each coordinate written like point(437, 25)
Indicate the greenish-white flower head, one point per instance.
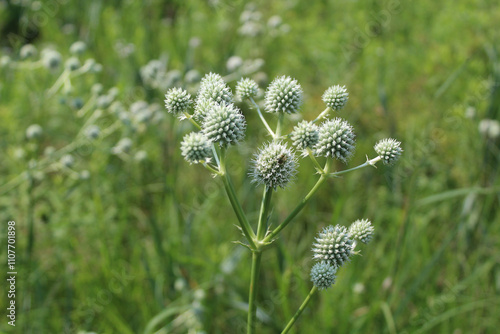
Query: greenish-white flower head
point(305, 135)
point(78, 48)
point(34, 131)
point(177, 101)
point(333, 245)
point(389, 150)
point(92, 132)
point(224, 124)
point(246, 88)
point(275, 165)
point(123, 146)
point(323, 275)
point(202, 108)
point(361, 230)
point(284, 94)
point(336, 97)
point(51, 59)
point(72, 64)
point(213, 88)
point(28, 51)
point(67, 160)
point(196, 147)
point(336, 140)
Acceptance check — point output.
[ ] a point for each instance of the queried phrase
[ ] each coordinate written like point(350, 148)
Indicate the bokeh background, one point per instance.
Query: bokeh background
point(121, 235)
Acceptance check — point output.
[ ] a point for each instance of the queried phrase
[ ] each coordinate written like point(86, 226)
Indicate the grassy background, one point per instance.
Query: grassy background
point(148, 243)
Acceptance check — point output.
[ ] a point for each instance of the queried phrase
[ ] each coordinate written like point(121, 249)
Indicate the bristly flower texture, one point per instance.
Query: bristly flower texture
point(224, 124)
point(323, 275)
point(389, 150)
point(361, 230)
point(246, 88)
point(333, 245)
point(284, 95)
point(214, 89)
point(305, 135)
point(196, 148)
point(177, 101)
point(275, 165)
point(336, 140)
point(336, 97)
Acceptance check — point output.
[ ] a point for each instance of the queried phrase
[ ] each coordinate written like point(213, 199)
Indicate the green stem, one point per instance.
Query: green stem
point(300, 310)
point(301, 205)
point(313, 158)
point(368, 162)
point(231, 194)
point(281, 116)
point(252, 294)
point(264, 210)
point(262, 118)
point(190, 118)
point(323, 114)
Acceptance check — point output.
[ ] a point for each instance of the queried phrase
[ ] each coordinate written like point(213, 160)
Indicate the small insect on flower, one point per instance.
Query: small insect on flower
point(282, 159)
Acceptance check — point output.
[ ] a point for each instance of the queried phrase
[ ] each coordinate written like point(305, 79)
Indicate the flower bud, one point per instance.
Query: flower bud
point(92, 132)
point(323, 275)
point(361, 230)
point(28, 51)
point(274, 166)
point(196, 148)
point(51, 59)
point(336, 140)
point(67, 160)
point(389, 150)
point(224, 124)
point(34, 131)
point(305, 135)
point(333, 245)
point(78, 48)
point(246, 88)
point(72, 64)
point(284, 94)
point(177, 101)
point(336, 97)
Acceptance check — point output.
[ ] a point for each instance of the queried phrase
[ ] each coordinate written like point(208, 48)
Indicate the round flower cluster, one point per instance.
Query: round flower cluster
point(284, 95)
point(246, 88)
point(333, 245)
point(323, 275)
point(389, 150)
point(177, 101)
point(214, 89)
point(336, 97)
point(224, 124)
point(361, 230)
point(195, 147)
point(305, 135)
point(336, 140)
point(274, 165)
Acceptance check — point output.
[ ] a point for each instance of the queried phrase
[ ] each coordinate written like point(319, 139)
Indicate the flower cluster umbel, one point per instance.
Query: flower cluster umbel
point(221, 124)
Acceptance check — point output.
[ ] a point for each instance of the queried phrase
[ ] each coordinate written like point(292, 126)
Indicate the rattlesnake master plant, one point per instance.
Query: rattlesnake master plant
point(219, 124)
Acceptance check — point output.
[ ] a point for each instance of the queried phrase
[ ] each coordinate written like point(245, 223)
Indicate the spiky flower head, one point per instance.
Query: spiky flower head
point(51, 59)
point(284, 94)
point(28, 51)
point(213, 88)
point(389, 150)
point(304, 135)
point(246, 88)
point(195, 147)
point(323, 275)
point(34, 131)
point(333, 245)
point(177, 101)
point(336, 97)
point(72, 64)
point(336, 140)
point(361, 230)
point(274, 165)
point(78, 48)
point(224, 124)
point(202, 108)
point(67, 160)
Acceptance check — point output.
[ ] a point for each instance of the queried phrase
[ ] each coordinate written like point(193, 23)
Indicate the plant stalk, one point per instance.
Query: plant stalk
point(300, 310)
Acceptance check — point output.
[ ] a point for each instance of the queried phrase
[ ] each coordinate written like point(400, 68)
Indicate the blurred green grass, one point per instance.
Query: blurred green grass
point(136, 240)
